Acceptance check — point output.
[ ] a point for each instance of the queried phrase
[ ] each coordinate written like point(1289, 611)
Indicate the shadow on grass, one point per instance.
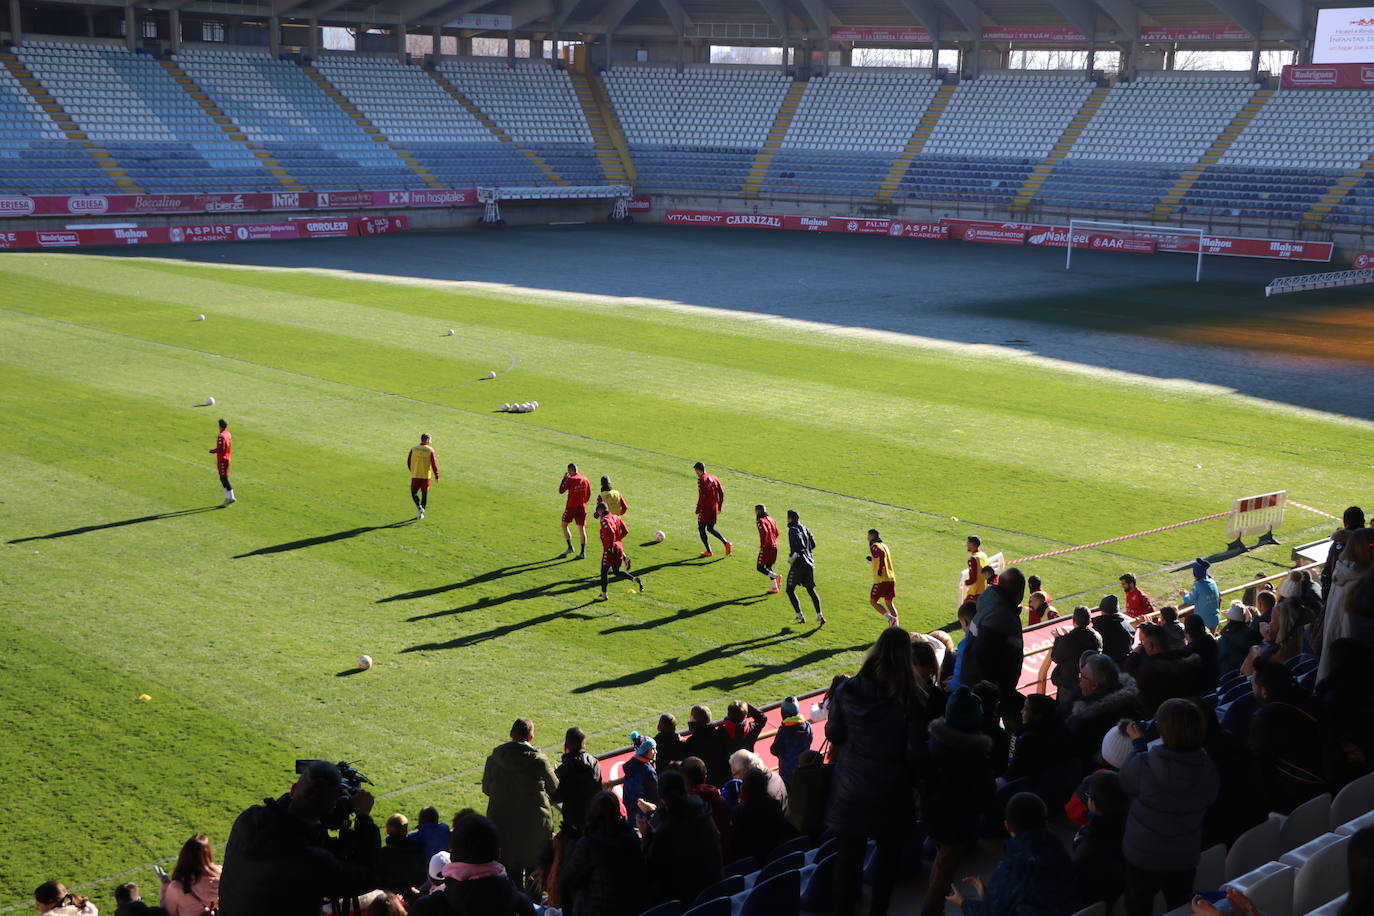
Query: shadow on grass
point(671, 665)
point(757, 673)
point(349, 672)
point(87, 529)
point(321, 539)
point(685, 614)
point(491, 576)
point(473, 639)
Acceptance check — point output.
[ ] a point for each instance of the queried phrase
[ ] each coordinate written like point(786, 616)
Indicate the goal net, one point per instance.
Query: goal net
point(1103, 235)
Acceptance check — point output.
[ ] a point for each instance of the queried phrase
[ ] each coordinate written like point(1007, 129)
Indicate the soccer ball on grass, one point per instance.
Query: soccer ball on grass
point(364, 662)
point(659, 536)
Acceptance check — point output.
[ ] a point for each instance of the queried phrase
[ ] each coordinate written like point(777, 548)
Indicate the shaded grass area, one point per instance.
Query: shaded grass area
point(119, 580)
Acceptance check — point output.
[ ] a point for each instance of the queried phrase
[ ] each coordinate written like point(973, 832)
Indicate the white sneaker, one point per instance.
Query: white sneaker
point(229, 500)
point(419, 511)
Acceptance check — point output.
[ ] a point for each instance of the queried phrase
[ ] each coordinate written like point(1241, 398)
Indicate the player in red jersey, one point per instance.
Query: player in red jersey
point(768, 548)
point(224, 447)
point(579, 490)
point(613, 532)
point(710, 500)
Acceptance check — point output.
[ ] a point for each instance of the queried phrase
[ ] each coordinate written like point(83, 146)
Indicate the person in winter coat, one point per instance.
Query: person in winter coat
point(52, 897)
point(757, 824)
point(1117, 635)
point(1351, 520)
point(518, 781)
point(682, 854)
point(475, 881)
point(1203, 645)
point(741, 762)
point(579, 778)
point(1284, 740)
point(1000, 647)
point(401, 863)
point(1068, 649)
point(1162, 673)
point(604, 874)
point(1171, 786)
point(1205, 597)
point(706, 742)
point(957, 790)
point(278, 859)
point(1099, 874)
point(1038, 747)
point(1235, 639)
point(671, 750)
point(1033, 875)
point(1345, 712)
point(694, 772)
point(793, 737)
point(809, 793)
point(878, 733)
point(641, 778)
point(430, 834)
point(1342, 619)
point(194, 885)
point(1108, 696)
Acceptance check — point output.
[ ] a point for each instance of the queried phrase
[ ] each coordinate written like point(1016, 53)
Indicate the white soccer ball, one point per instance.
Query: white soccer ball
point(536, 404)
point(506, 408)
point(659, 536)
point(364, 662)
point(491, 375)
point(200, 318)
point(528, 405)
point(209, 402)
point(449, 333)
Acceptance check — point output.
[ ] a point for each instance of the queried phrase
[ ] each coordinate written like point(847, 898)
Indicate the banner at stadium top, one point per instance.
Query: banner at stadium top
point(1050, 33)
point(319, 227)
point(1328, 76)
point(154, 204)
point(1136, 241)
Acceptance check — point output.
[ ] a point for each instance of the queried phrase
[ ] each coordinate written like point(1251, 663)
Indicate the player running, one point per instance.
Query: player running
point(224, 447)
point(975, 582)
point(801, 570)
point(424, 467)
point(768, 548)
point(613, 498)
point(884, 578)
point(710, 500)
point(579, 490)
point(613, 532)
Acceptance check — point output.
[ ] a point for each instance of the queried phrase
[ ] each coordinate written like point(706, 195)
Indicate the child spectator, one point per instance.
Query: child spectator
point(431, 835)
point(671, 750)
point(604, 875)
point(641, 779)
point(53, 897)
point(194, 885)
point(1173, 630)
point(475, 881)
point(965, 668)
point(1038, 746)
point(1033, 875)
point(1171, 786)
point(707, 743)
point(739, 735)
point(793, 737)
point(1204, 646)
point(1235, 639)
point(129, 902)
point(694, 772)
point(579, 778)
point(1099, 874)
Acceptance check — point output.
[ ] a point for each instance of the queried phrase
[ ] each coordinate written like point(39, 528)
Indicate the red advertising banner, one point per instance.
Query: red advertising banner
point(149, 204)
point(1138, 239)
point(381, 225)
point(1363, 260)
point(203, 232)
point(879, 33)
point(1328, 76)
point(899, 229)
point(715, 218)
point(323, 228)
point(639, 204)
point(994, 236)
point(1193, 33)
point(1023, 33)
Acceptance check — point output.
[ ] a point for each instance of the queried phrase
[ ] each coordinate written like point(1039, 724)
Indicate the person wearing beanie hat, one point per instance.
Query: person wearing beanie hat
point(793, 737)
point(1116, 747)
point(1235, 639)
point(641, 778)
point(1205, 597)
point(959, 785)
point(1117, 634)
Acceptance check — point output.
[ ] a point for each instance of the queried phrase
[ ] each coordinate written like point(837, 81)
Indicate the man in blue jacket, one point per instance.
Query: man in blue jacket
point(1205, 596)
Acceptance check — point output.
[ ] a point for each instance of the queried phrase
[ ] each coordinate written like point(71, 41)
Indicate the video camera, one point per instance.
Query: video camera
point(350, 781)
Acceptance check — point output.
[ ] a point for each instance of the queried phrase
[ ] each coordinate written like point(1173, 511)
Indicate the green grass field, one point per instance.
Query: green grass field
point(120, 577)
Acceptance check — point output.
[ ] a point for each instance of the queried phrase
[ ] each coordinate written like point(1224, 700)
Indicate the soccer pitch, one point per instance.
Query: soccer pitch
point(122, 576)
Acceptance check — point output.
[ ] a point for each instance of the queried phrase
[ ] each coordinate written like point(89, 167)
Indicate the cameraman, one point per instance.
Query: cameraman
point(280, 860)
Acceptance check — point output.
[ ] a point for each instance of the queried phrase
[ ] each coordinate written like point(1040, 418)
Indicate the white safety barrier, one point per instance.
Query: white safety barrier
point(1331, 280)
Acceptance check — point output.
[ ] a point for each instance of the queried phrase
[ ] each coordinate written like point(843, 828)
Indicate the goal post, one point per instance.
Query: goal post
point(1086, 233)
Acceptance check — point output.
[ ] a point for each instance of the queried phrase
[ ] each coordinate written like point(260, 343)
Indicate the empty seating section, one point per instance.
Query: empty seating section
point(699, 129)
point(1358, 205)
point(994, 132)
point(1141, 139)
point(35, 156)
point(412, 109)
point(281, 110)
point(536, 106)
point(848, 128)
point(130, 106)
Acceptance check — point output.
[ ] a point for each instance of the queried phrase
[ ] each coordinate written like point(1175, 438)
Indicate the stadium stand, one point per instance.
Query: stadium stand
point(697, 130)
point(135, 111)
point(35, 155)
point(279, 108)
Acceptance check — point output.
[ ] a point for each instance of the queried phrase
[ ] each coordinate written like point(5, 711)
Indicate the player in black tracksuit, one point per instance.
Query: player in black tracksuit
point(801, 567)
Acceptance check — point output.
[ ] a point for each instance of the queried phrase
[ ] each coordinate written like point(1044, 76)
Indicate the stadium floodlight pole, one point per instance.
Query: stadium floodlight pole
point(1144, 231)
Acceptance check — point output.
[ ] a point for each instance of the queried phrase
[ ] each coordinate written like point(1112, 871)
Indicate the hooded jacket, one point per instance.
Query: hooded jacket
point(1089, 718)
point(1117, 636)
point(493, 896)
point(641, 781)
point(518, 781)
point(958, 784)
point(1170, 792)
point(1205, 598)
point(276, 863)
point(604, 874)
point(579, 778)
point(791, 740)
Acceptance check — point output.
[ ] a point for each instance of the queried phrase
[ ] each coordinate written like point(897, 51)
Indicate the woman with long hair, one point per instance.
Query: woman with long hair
point(53, 897)
point(604, 874)
point(194, 885)
point(877, 727)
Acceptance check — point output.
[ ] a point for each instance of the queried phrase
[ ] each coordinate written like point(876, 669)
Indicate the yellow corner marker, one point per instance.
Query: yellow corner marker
point(143, 698)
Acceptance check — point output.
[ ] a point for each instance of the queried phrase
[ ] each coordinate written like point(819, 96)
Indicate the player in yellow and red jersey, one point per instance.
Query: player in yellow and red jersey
point(424, 467)
point(579, 490)
point(768, 548)
point(223, 451)
point(710, 500)
point(884, 578)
